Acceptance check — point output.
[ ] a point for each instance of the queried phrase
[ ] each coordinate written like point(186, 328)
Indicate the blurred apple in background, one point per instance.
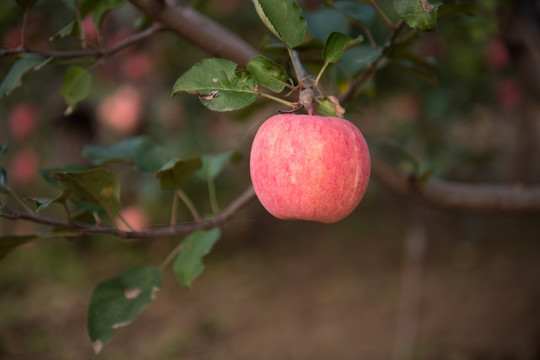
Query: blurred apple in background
point(121, 111)
point(135, 216)
point(509, 93)
point(136, 66)
point(23, 167)
point(22, 120)
point(496, 53)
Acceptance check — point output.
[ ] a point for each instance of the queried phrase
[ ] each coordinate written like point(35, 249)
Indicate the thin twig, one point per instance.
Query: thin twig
point(97, 53)
point(189, 204)
point(171, 255)
point(379, 10)
point(366, 75)
point(167, 231)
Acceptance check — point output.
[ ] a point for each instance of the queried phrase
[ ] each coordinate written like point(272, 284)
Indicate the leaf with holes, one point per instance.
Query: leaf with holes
point(219, 83)
point(188, 265)
point(117, 302)
point(284, 18)
point(98, 186)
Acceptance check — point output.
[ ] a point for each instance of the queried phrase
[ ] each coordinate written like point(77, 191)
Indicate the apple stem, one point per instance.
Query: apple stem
point(320, 74)
point(306, 100)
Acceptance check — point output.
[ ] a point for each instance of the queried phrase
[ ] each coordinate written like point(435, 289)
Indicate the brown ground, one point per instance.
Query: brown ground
point(285, 290)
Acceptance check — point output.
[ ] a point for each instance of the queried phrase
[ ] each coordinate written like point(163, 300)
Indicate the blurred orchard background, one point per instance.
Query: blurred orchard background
point(394, 280)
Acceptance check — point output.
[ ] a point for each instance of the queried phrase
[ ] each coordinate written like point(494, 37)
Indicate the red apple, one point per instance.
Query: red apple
point(308, 167)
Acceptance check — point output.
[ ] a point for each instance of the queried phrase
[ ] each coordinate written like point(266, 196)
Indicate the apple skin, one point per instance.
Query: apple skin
point(306, 167)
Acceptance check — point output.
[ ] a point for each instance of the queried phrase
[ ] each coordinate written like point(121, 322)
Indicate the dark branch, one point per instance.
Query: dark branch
point(168, 231)
point(97, 53)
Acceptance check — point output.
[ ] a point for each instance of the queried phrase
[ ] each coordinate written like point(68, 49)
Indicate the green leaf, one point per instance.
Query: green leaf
point(41, 204)
point(97, 186)
point(13, 78)
point(70, 29)
point(284, 19)
point(3, 149)
point(220, 85)
point(337, 44)
point(10, 242)
point(141, 151)
point(188, 264)
point(268, 73)
point(175, 173)
point(117, 302)
point(76, 86)
point(213, 165)
point(102, 7)
point(46, 173)
point(418, 14)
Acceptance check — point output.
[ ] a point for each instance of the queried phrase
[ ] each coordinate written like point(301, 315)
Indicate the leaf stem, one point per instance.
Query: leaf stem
point(189, 204)
point(212, 194)
point(81, 28)
point(171, 255)
point(379, 10)
point(284, 102)
point(174, 210)
point(18, 199)
point(25, 21)
point(320, 74)
point(360, 24)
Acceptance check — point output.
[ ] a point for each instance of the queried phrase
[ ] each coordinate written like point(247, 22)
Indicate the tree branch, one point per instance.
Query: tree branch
point(366, 75)
point(97, 53)
point(211, 37)
point(452, 195)
point(167, 231)
point(199, 30)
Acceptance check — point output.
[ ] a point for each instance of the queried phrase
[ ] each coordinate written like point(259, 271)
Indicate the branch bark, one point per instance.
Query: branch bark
point(167, 231)
point(216, 40)
point(452, 195)
point(199, 30)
